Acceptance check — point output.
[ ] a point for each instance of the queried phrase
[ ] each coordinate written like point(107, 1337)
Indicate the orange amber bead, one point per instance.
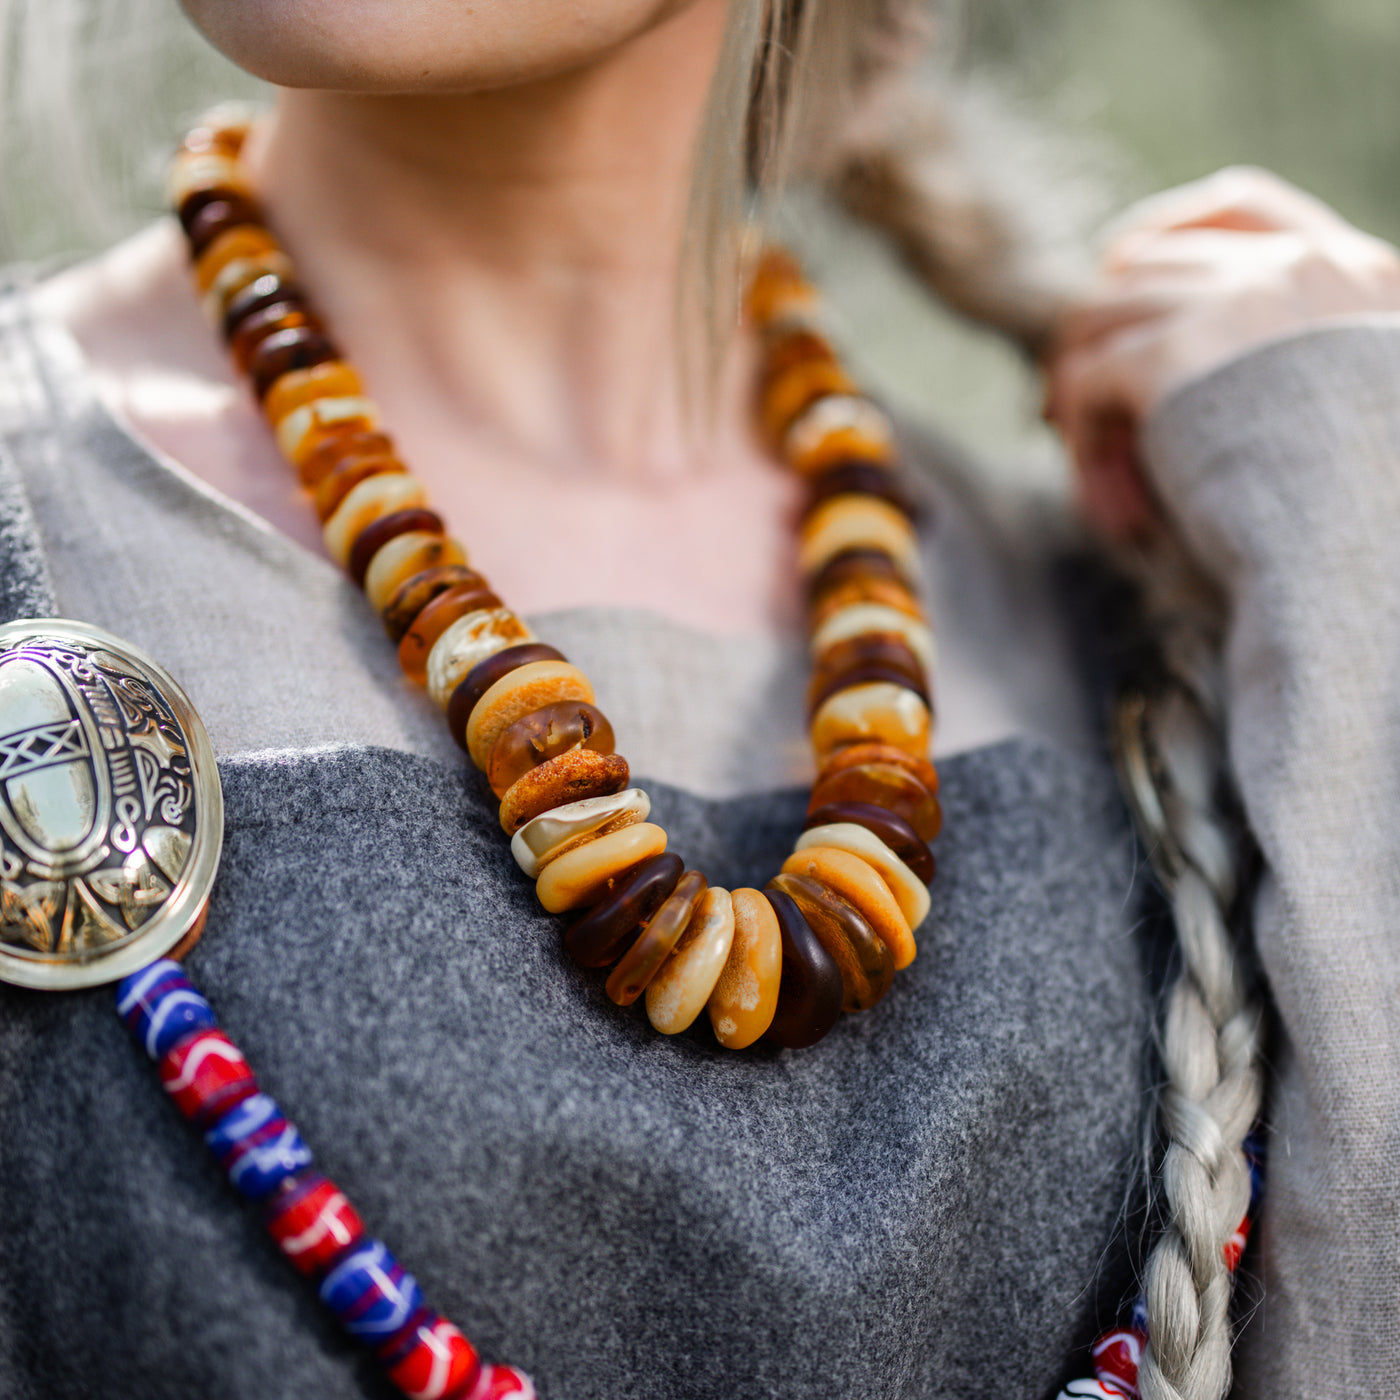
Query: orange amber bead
point(334, 379)
point(545, 734)
point(329, 454)
point(777, 285)
point(405, 556)
point(254, 328)
point(854, 755)
point(434, 618)
point(866, 656)
point(642, 961)
point(862, 588)
point(348, 475)
point(796, 389)
point(416, 593)
point(241, 241)
point(884, 785)
point(571, 777)
point(865, 963)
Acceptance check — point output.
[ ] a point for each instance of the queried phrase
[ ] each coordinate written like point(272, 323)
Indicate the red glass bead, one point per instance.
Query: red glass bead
point(312, 1222)
point(434, 1361)
point(206, 1075)
point(1117, 1356)
point(297, 348)
point(1234, 1246)
point(498, 1383)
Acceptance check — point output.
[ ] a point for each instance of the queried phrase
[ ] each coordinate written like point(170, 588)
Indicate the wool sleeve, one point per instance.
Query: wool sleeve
point(1283, 471)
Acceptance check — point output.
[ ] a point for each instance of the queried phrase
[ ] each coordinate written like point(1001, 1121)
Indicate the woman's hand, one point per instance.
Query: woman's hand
point(1191, 279)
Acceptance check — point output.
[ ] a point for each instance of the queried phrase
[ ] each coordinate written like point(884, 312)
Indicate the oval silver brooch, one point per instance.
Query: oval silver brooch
point(111, 816)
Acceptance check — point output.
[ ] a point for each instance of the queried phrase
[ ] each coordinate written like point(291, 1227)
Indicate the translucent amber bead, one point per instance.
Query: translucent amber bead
point(678, 993)
point(854, 564)
point(866, 588)
point(287, 350)
point(865, 963)
point(785, 396)
point(776, 285)
point(255, 327)
point(434, 617)
point(868, 656)
point(556, 830)
point(336, 486)
point(855, 755)
point(857, 522)
point(910, 893)
point(888, 827)
point(332, 380)
point(484, 675)
point(883, 785)
point(861, 619)
point(860, 479)
point(878, 710)
point(525, 689)
point(810, 992)
point(860, 885)
point(598, 938)
point(342, 448)
point(414, 595)
point(373, 498)
point(837, 428)
point(642, 961)
point(194, 173)
point(211, 217)
point(389, 527)
point(468, 641)
point(404, 556)
point(592, 870)
point(745, 997)
point(545, 734)
point(793, 347)
point(239, 274)
point(569, 778)
point(306, 427)
point(260, 293)
point(242, 241)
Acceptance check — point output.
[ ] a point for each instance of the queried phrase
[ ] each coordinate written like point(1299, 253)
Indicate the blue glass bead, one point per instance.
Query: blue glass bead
point(371, 1293)
point(257, 1146)
point(1139, 1322)
point(161, 1007)
point(1254, 1158)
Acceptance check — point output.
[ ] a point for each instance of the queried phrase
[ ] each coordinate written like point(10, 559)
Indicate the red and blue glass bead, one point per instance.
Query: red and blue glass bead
point(371, 1293)
point(207, 1075)
point(313, 1222)
point(161, 1007)
point(433, 1360)
point(257, 1147)
point(1117, 1356)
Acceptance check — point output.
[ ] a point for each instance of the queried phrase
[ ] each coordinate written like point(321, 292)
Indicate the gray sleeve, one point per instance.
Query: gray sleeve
point(1284, 470)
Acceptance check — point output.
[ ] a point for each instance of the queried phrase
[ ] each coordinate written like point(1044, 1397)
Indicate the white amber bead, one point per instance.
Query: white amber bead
point(859, 618)
point(678, 993)
point(910, 892)
point(203, 170)
point(837, 413)
point(857, 521)
point(402, 557)
point(469, 640)
point(370, 500)
point(552, 833)
point(881, 711)
point(292, 431)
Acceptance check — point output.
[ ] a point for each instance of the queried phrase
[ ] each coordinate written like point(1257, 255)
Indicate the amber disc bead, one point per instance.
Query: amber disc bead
point(794, 348)
point(545, 734)
point(863, 478)
point(212, 217)
point(484, 675)
point(414, 594)
point(298, 348)
point(569, 777)
point(374, 537)
point(435, 617)
point(866, 964)
point(854, 564)
point(891, 828)
point(868, 675)
point(810, 991)
point(882, 785)
point(863, 588)
point(642, 961)
point(258, 325)
point(854, 755)
point(857, 658)
point(261, 292)
point(598, 938)
point(318, 464)
point(346, 476)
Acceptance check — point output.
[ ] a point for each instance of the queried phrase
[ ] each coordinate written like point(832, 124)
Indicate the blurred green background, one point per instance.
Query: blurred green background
point(1134, 94)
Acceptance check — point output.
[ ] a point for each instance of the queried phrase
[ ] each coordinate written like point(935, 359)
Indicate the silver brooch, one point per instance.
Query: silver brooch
point(111, 817)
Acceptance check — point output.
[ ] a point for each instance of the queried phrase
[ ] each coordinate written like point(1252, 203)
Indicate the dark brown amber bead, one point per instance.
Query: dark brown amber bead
point(866, 963)
point(659, 936)
point(863, 478)
point(257, 326)
point(882, 785)
point(262, 291)
point(435, 618)
point(328, 455)
point(484, 675)
point(856, 660)
point(374, 537)
point(893, 830)
point(810, 993)
point(414, 594)
point(333, 489)
point(217, 216)
point(298, 348)
point(198, 200)
point(545, 734)
point(598, 938)
point(853, 564)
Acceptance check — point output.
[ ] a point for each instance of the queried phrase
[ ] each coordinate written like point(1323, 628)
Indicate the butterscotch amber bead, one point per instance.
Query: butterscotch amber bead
point(484, 675)
point(910, 893)
point(860, 885)
point(866, 656)
point(240, 273)
point(862, 619)
point(404, 556)
point(865, 963)
point(262, 291)
point(389, 527)
point(598, 938)
point(591, 871)
point(414, 595)
point(837, 428)
point(745, 997)
point(891, 829)
point(558, 782)
point(241, 241)
point(528, 688)
point(300, 434)
point(789, 348)
point(335, 487)
point(776, 286)
point(643, 960)
point(287, 350)
point(464, 645)
point(376, 496)
point(254, 328)
point(543, 735)
point(193, 173)
point(333, 380)
point(790, 393)
point(847, 522)
point(558, 829)
point(855, 755)
point(810, 992)
point(842, 593)
point(678, 993)
point(853, 564)
point(434, 617)
point(210, 218)
point(351, 442)
point(883, 785)
point(876, 709)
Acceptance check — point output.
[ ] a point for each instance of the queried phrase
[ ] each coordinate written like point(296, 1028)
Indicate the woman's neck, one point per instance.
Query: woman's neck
point(515, 253)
